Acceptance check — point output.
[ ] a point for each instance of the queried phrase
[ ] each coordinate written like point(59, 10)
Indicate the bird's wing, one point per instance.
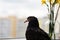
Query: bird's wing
point(44, 34)
point(31, 35)
point(37, 35)
point(34, 35)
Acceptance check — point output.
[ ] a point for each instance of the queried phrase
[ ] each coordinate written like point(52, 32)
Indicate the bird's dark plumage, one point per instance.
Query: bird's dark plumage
point(33, 31)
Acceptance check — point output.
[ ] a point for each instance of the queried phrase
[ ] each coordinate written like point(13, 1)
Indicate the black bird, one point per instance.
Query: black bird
point(34, 32)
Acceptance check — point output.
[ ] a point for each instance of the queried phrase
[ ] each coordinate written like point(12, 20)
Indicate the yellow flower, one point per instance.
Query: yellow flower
point(43, 1)
point(58, 1)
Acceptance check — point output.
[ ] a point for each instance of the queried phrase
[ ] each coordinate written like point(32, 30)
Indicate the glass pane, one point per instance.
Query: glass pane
point(5, 26)
point(13, 13)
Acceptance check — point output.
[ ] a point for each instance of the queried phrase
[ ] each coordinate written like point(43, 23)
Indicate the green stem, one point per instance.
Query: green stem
point(57, 13)
point(54, 37)
point(51, 25)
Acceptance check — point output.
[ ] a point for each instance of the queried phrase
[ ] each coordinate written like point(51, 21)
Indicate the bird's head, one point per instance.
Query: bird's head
point(33, 21)
point(31, 18)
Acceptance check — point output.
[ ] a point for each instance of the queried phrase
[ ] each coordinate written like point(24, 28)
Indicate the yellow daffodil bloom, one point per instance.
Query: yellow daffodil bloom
point(58, 1)
point(43, 1)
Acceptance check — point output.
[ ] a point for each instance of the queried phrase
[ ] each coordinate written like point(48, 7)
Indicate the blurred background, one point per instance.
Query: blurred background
point(13, 13)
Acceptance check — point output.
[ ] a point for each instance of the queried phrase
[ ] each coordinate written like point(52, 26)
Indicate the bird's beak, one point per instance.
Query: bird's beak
point(25, 21)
